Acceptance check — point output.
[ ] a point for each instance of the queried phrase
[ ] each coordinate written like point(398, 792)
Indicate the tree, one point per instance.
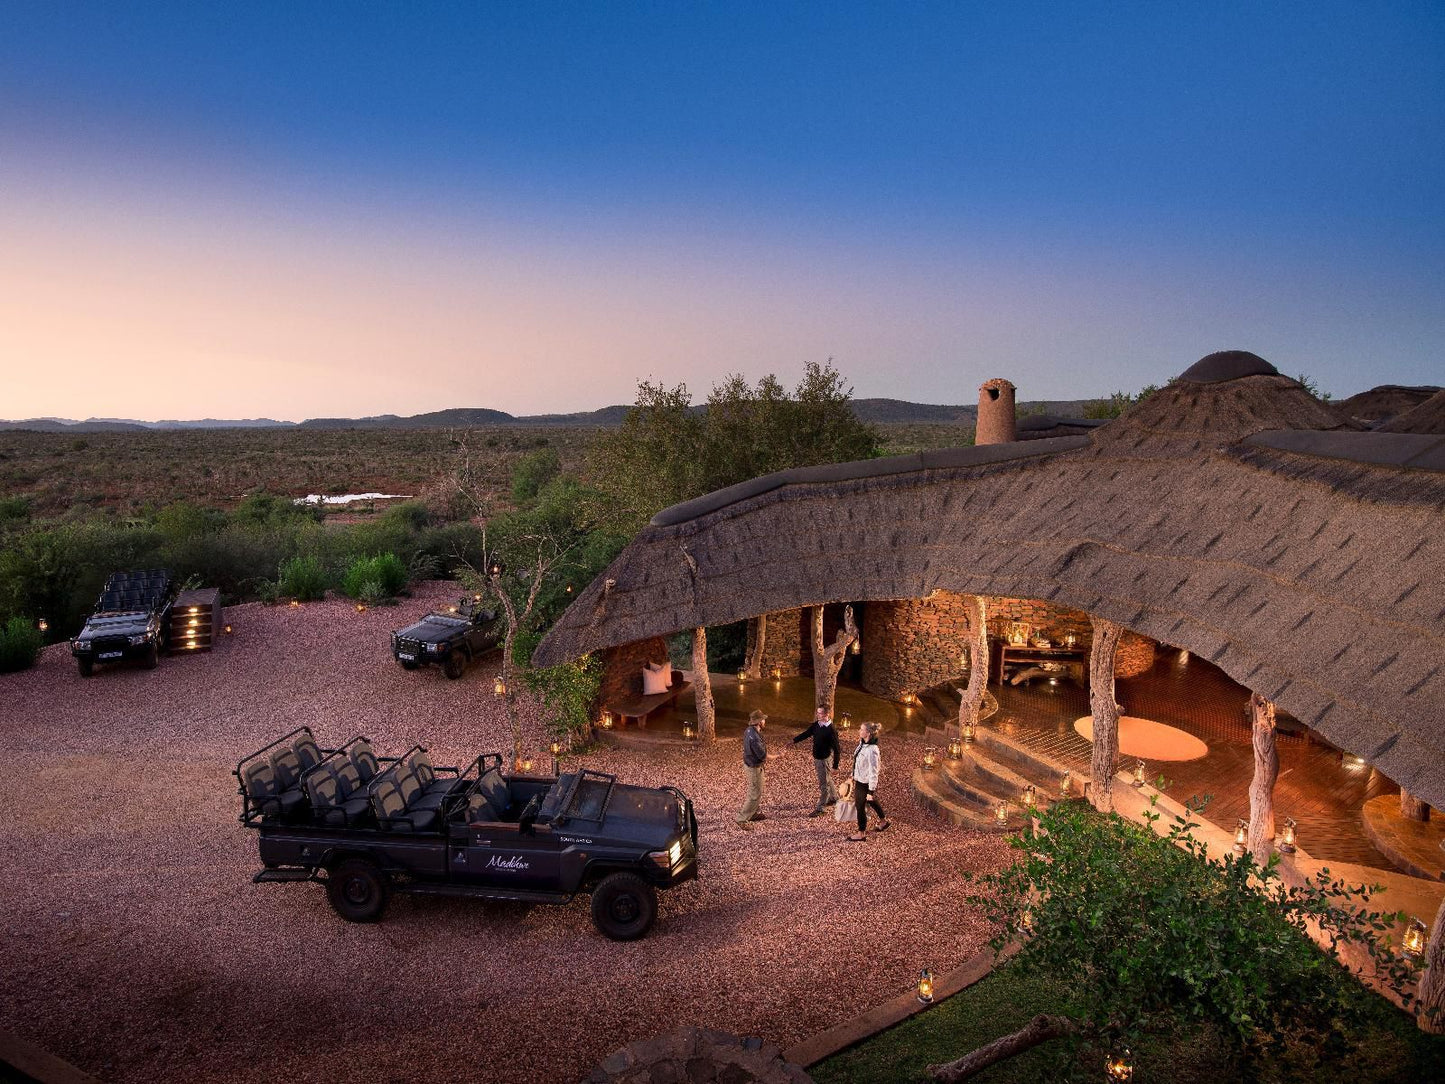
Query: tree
point(1151, 933)
point(828, 659)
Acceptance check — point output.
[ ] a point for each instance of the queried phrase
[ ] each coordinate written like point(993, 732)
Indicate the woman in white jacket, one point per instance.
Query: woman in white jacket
point(866, 766)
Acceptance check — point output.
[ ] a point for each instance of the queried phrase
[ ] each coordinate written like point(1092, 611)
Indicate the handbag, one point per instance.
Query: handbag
point(845, 810)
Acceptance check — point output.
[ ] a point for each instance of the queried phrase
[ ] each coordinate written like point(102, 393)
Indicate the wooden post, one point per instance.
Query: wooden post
point(827, 661)
point(1105, 760)
point(757, 642)
point(1412, 808)
point(702, 686)
point(1266, 771)
point(972, 696)
point(1430, 1008)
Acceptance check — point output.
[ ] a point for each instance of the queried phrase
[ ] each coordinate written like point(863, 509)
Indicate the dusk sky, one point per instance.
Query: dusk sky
point(300, 209)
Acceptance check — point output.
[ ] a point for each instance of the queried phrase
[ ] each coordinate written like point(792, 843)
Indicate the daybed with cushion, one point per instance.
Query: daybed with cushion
point(655, 685)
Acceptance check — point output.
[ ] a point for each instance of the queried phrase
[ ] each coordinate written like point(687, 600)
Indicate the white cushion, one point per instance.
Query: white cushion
point(656, 679)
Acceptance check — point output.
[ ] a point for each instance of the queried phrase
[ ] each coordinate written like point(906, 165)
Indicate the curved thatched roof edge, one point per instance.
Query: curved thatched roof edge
point(1414, 450)
point(863, 468)
point(1426, 417)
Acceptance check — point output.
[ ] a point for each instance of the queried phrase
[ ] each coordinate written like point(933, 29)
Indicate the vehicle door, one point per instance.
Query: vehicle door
point(499, 854)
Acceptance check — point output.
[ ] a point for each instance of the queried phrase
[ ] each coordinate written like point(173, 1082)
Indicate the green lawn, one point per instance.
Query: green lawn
point(1388, 1049)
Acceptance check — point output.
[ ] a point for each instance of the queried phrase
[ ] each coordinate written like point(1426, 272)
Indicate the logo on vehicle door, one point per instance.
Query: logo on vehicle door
point(515, 864)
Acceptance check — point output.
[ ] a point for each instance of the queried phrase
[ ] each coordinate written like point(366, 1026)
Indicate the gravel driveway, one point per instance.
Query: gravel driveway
point(135, 945)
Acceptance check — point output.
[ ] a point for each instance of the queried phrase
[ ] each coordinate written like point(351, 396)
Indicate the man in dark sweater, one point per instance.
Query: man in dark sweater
point(754, 754)
point(825, 748)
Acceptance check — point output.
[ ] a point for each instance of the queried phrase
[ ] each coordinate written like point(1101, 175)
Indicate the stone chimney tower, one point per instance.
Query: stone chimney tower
point(996, 421)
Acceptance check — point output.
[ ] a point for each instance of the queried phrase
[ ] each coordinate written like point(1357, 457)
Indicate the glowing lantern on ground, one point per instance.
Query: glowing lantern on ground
point(1241, 837)
point(1119, 1067)
point(1139, 774)
point(969, 732)
point(930, 758)
point(1000, 813)
point(1286, 841)
point(499, 687)
point(1065, 782)
point(361, 607)
point(955, 749)
point(524, 764)
point(606, 720)
point(1031, 797)
point(845, 720)
point(742, 676)
point(556, 748)
point(1415, 937)
point(229, 630)
point(295, 602)
point(777, 673)
point(925, 986)
point(689, 732)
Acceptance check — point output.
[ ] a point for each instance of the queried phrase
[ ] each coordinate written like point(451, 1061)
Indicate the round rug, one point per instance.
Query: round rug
point(1148, 740)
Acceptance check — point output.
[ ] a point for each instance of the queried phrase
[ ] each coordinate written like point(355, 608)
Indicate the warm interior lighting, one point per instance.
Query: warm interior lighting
point(930, 758)
point(1070, 640)
point(925, 986)
point(1139, 774)
point(1416, 934)
point(1286, 841)
point(969, 733)
point(1119, 1067)
point(606, 720)
point(524, 763)
point(1241, 837)
point(955, 749)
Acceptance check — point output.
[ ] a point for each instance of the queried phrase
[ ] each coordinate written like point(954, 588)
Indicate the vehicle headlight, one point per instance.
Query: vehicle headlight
point(675, 852)
point(139, 638)
point(433, 648)
point(83, 645)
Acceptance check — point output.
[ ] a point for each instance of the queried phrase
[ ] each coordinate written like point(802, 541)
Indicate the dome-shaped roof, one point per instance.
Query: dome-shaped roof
point(1227, 365)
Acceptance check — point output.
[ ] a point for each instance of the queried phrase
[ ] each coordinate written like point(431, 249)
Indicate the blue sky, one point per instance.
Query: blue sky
point(295, 209)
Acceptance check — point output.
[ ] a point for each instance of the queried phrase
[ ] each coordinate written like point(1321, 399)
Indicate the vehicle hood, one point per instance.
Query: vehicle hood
point(643, 815)
point(116, 624)
point(433, 628)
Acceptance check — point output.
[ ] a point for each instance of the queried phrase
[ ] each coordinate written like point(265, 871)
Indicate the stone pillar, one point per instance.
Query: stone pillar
point(1266, 771)
point(1105, 759)
point(997, 422)
point(784, 644)
point(1412, 808)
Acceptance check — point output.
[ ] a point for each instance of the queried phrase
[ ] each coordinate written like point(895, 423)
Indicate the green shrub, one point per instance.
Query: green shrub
point(372, 592)
point(20, 642)
point(534, 471)
point(384, 572)
point(303, 578)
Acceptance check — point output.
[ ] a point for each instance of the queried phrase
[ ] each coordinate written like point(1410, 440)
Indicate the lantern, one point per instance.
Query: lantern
point(1416, 934)
point(955, 749)
point(1000, 813)
point(742, 677)
point(930, 758)
point(229, 630)
point(689, 732)
point(1119, 1067)
point(968, 733)
point(1070, 640)
point(1018, 634)
point(451, 609)
point(476, 598)
point(925, 987)
point(43, 625)
point(1026, 921)
point(499, 687)
point(1139, 774)
point(1065, 782)
point(568, 589)
point(1286, 841)
point(777, 673)
point(606, 720)
point(295, 602)
point(1241, 837)
point(524, 763)
point(556, 748)
point(856, 646)
point(845, 720)
point(361, 607)
point(1031, 797)
point(495, 568)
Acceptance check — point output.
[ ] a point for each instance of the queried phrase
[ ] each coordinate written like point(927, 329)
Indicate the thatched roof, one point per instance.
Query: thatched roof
point(1428, 417)
point(1384, 402)
point(1040, 426)
point(1234, 516)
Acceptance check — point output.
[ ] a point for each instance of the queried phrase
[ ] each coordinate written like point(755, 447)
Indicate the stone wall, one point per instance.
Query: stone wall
point(912, 644)
point(785, 643)
point(622, 668)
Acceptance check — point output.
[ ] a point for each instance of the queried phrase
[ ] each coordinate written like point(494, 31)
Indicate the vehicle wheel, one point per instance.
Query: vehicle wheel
point(86, 666)
point(357, 890)
point(151, 657)
point(409, 665)
point(456, 664)
point(624, 906)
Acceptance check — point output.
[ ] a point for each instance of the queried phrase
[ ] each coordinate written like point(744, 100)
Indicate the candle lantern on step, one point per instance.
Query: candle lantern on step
point(1416, 934)
point(955, 749)
point(499, 687)
point(968, 732)
point(930, 758)
point(1031, 797)
point(1065, 782)
point(689, 732)
point(1286, 840)
point(845, 720)
point(1139, 774)
point(1241, 837)
point(925, 986)
point(1119, 1067)
point(1000, 813)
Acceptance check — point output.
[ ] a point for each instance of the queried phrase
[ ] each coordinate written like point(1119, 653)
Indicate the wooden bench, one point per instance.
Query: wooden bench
point(635, 705)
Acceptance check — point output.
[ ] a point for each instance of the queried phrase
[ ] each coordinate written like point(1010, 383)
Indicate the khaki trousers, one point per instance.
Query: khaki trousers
point(755, 794)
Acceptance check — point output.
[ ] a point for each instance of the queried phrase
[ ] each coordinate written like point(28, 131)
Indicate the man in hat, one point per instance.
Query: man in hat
point(825, 748)
point(754, 754)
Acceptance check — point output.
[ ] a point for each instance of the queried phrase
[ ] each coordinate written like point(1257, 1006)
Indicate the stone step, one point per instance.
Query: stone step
point(985, 785)
point(1038, 768)
point(934, 796)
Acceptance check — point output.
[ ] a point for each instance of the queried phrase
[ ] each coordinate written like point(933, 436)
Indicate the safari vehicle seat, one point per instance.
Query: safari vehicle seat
point(266, 794)
point(363, 758)
point(338, 796)
point(391, 808)
point(492, 800)
point(421, 788)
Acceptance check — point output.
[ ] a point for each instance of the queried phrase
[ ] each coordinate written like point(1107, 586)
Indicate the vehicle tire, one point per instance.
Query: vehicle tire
point(151, 657)
point(85, 666)
point(357, 890)
point(456, 663)
point(409, 665)
point(624, 906)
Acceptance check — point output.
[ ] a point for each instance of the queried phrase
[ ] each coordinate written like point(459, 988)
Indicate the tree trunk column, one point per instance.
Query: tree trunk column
point(1432, 981)
point(702, 684)
point(757, 644)
point(1266, 771)
point(972, 696)
point(1105, 760)
point(1412, 808)
point(828, 661)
